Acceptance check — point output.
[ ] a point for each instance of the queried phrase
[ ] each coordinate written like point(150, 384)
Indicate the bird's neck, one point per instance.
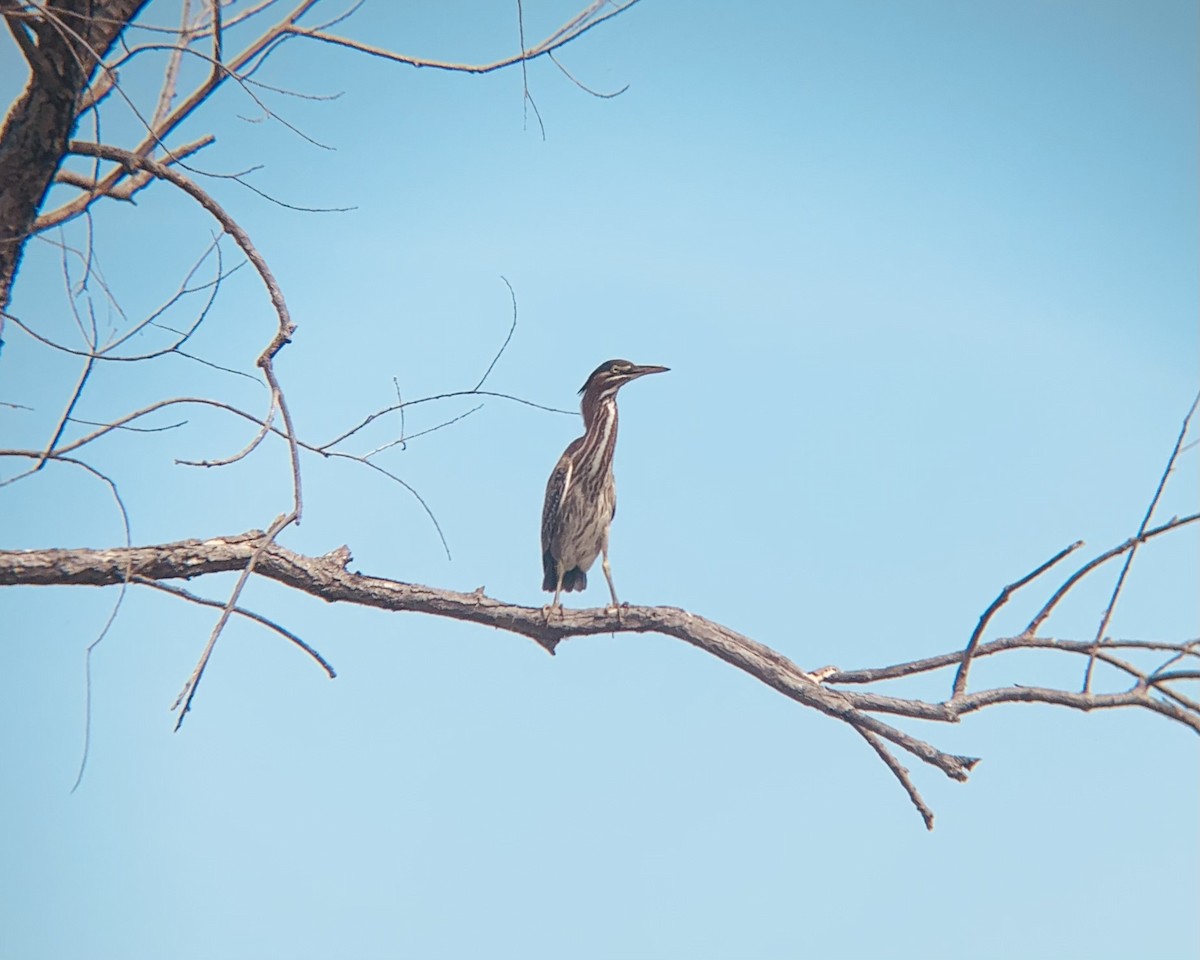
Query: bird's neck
point(600, 436)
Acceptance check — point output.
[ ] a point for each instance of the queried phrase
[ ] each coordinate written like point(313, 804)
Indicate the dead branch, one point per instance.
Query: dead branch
point(960, 678)
point(72, 73)
point(286, 328)
point(1116, 593)
point(137, 182)
point(183, 702)
point(240, 67)
point(831, 693)
point(591, 16)
point(241, 612)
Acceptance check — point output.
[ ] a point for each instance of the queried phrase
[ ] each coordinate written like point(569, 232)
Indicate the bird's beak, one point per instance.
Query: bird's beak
point(642, 371)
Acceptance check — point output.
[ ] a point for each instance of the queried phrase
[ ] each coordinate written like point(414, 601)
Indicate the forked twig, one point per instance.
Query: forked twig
point(1112, 603)
point(960, 678)
point(901, 773)
point(242, 612)
point(183, 702)
point(1092, 564)
point(526, 96)
point(66, 414)
point(587, 19)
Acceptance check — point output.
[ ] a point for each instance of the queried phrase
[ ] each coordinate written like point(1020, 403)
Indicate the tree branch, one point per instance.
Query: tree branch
point(34, 136)
point(578, 25)
point(329, 579)
point(1112, 603)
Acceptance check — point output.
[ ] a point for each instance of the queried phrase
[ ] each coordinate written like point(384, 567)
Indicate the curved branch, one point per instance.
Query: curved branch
point(243, 612)
point(328, 578)
point(576, 27)
point(241, 66)
point(1116, 593)
point(286, 329)
point(960, 678)
point(158, 135)
point(1092, 564)
point(164, 171)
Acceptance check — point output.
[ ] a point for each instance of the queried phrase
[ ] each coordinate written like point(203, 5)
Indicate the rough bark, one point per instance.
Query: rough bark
point(328, 578)
point(65, 43)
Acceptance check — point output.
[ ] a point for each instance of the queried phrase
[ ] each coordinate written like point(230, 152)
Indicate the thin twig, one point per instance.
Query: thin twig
point(586, 89)
point(577, 26)
point(400, 404)
point(66, 414)
point(901, 773)
point(112, 617)
point(1112, 603)
point(402, 441)
point(912, 668)
point(163, 429)
point(243, 612)
point(440, 396)
point(1091, 565)
point(198, 96)
point(286, 329)
point(183, 703)
point(245, 451)
point(407, 486)
point(526, 96)
point(504, 346)
point(960, 678)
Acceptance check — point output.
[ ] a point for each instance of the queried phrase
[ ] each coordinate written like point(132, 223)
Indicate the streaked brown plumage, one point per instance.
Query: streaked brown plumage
point(581, 495)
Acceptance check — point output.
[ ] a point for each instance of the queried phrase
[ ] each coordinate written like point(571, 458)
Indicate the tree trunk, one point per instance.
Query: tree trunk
point(63, 45)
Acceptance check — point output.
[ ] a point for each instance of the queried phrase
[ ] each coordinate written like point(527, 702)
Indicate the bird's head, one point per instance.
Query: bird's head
point(611, 375)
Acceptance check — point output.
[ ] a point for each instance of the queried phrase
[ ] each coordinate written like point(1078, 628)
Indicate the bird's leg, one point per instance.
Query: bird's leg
point(616, 604)
point(554, 604)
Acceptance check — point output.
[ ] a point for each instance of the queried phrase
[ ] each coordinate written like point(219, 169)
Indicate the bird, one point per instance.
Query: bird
point(581, 494)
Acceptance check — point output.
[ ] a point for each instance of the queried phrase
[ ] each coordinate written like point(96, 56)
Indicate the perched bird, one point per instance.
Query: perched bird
point(581, 496)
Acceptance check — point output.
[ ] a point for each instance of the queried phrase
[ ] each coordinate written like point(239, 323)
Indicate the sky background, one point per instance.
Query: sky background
point(926, 278)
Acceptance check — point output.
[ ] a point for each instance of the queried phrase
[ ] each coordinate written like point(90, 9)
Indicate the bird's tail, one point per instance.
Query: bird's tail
point(573, 579)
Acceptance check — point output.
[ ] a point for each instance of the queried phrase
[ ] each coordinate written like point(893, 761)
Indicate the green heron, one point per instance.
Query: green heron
point(581, 496)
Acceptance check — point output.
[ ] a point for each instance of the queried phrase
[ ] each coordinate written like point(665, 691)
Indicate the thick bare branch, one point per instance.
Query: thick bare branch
point(328, 578)
point(34, 136)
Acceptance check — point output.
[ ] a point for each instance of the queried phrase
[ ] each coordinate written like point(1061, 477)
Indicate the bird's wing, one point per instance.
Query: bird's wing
point(556, 491)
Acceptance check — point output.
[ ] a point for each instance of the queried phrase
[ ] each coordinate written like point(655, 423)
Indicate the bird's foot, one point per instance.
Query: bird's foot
point(550, 608)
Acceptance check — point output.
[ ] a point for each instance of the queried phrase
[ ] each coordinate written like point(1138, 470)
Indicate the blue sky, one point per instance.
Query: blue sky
point(925, 275)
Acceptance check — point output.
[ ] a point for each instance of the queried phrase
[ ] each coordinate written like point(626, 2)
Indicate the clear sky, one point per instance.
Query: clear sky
point(926, 277)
